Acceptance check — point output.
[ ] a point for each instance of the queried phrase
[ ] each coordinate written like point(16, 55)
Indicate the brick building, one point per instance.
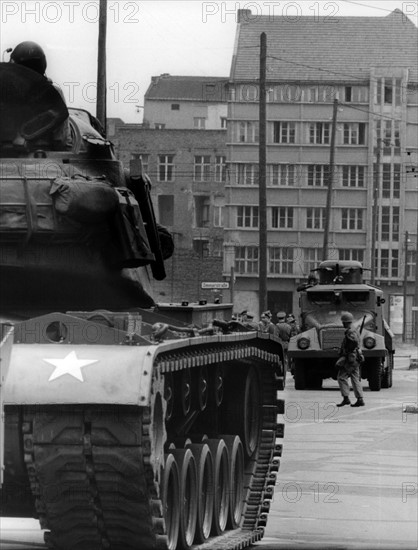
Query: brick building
point(370, 65)
point(182, 144)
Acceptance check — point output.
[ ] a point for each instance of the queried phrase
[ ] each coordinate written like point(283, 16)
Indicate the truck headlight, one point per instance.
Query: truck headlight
point(304, 343)
point(369, 342)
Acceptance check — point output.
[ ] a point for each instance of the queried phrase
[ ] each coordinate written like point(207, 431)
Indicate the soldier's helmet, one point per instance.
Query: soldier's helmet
point(346, 317)
point(30, 55)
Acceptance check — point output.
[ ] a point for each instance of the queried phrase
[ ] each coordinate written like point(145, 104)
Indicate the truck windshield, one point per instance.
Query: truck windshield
point(321, 297)
point(354, 298)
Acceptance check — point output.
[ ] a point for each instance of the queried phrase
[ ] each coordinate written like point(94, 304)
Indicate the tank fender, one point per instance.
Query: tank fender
point(6, 343)
point(311, 334)
point(77, 374)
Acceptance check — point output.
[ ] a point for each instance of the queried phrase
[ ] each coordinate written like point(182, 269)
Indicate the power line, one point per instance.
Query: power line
point(366, 6)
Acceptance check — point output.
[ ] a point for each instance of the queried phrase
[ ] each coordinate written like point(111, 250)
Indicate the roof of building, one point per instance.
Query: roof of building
point(320, 48)
point(190, 88)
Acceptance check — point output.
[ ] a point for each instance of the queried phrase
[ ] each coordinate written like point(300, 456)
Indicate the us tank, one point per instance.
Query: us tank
point(125, 427)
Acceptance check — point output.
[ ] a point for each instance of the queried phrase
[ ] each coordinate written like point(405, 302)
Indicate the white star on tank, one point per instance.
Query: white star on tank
point(70, 364)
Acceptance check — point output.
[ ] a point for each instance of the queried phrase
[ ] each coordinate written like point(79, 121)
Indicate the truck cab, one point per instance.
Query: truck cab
point(335, 287)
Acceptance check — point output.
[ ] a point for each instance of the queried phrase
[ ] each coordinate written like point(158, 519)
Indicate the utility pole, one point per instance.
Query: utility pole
point(330, 181)
point(101, 65)
point(376, 187)
point(405, 288)
point(262, 177)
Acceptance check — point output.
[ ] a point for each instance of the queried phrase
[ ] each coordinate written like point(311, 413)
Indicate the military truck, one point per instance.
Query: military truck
point(126, 427)
point(332, 288)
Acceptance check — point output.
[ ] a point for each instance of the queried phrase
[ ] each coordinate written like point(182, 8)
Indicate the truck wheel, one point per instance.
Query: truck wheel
point(300, 375)
point(387, 373)
point(374, 373)
point(314, 381)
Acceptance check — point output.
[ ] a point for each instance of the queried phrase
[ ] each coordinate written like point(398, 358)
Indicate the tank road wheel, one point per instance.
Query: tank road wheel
point(299, 374)
point(188, 496)
point(374, 373)
point(170, 490)
point(236, 476)
point(220, 484)
point(200, 393)
point(205, 491)
point(217, 384)
point(242, 408)
point(169, 395)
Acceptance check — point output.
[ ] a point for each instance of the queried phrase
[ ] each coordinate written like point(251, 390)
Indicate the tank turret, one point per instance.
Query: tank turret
point(70, 219)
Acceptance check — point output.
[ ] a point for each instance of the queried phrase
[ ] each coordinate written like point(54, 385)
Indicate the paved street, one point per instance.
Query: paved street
point(348, 477)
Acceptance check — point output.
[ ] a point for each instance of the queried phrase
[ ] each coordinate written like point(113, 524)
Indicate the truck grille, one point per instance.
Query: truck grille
point(331, 338)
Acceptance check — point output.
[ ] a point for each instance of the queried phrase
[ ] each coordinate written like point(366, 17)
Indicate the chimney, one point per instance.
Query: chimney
point(244, 16)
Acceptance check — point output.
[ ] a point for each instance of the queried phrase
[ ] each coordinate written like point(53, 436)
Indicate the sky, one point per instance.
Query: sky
point(148, 38)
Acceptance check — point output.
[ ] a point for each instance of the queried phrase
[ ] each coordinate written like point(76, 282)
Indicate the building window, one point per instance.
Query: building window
point(202, 168)
point(348, 94)
point(202, 210)
point(247, 216)
point(280, 260)
point(318, 174)
point(282, 174)
point(389, 226)
point(353, 254)
point(166, 209)
point(144, 160)
point(391, 180)
point(159, 126)
point(411, 264)
point(218, 216)
point(352, 218)
point(165, 167)
point(175, 107)
point(199, 123)
point(246, 259)
point(311, 259)
point(354, 133)
point(319, 132)
point(390, 90)
point(217, 247)
point(220, 169)
point(284, 132)
point(246, 174)
point(247, 132)
point(388, 134)
point(353, 176)
point(201, 247)
point(389, 263)
point(224, 122)
point(315, 218)
point(282, 217)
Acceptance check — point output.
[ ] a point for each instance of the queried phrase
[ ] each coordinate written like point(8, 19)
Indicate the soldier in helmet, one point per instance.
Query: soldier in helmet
point(349, 363)
point(30, 55)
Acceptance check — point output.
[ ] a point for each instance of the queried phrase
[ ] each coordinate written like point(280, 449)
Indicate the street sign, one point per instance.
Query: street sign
point(222, 284)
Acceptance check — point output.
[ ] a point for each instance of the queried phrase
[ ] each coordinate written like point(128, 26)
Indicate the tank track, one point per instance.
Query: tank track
point(95, 472)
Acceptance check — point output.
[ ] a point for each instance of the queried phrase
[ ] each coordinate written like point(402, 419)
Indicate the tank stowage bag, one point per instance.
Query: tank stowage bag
point(84, 200)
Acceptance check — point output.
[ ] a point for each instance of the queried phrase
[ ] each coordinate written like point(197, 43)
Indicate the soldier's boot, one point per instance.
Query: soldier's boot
point(345, 401)
point(358, 403)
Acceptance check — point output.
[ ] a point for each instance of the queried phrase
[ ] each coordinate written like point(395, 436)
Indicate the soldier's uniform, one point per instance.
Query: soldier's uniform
point(349, 364)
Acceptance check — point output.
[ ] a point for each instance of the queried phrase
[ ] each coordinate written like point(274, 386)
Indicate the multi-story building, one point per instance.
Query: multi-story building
point(186, 161)
point(370, 65)
point(186, 102)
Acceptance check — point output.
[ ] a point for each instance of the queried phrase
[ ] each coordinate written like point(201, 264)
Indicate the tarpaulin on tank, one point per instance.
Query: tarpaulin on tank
point(84, 199)
point(30, 106)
